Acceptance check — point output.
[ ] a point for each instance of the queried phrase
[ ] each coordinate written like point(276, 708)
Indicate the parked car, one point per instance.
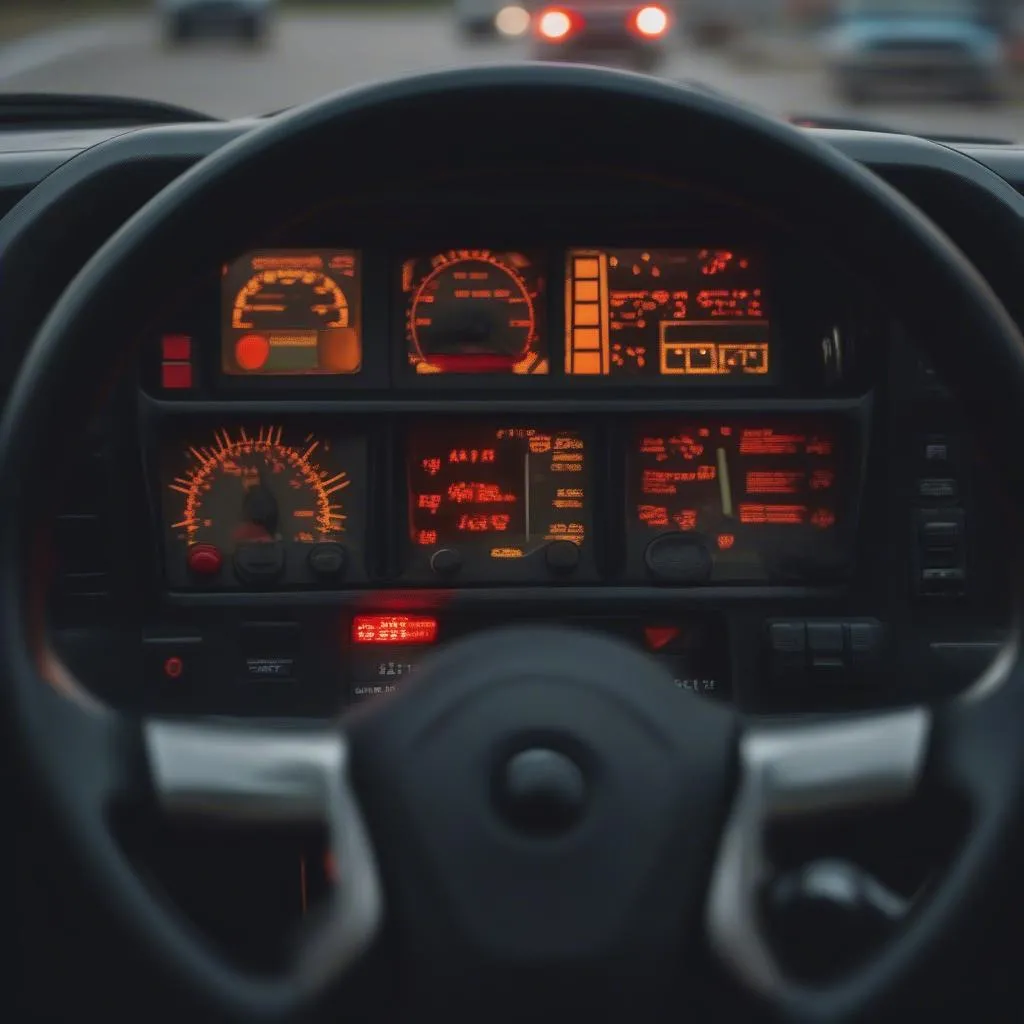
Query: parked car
point(187, 20)
point(880, 48)
point(597, 30)
point(489, 19)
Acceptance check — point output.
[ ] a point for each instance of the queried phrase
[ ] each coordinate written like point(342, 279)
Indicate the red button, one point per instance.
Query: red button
point(174, 668)
point(204, 560)
point(176, 376)
point(177, 348)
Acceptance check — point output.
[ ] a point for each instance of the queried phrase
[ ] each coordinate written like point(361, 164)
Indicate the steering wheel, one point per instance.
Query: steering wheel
point(543, 822)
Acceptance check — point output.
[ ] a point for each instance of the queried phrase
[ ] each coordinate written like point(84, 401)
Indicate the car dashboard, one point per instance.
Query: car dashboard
point(343, 440)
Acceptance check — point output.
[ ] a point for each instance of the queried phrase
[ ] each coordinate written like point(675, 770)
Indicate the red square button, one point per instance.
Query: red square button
point(177, 348)
point(176, 376)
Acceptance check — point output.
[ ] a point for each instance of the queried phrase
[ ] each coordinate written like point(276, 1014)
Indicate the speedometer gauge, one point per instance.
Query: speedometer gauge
point(289, 312)
point(475, 311)
point(263, 507)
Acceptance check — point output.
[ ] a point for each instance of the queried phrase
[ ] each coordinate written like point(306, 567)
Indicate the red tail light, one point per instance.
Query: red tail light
point(556, 24)
point(651, 22)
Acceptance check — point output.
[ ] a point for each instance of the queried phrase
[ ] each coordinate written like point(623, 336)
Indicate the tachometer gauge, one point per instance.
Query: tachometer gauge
point(475, 311)
point(263, 507)
point(289, 313)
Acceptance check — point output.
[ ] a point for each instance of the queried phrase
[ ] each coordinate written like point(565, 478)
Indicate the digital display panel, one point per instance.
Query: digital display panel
point(765, 500)
point(692, 314)
point(292, 313)
point(492, 495)
point(475, 311)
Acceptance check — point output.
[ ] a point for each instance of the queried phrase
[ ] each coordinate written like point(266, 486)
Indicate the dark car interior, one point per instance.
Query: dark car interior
point(640, 515)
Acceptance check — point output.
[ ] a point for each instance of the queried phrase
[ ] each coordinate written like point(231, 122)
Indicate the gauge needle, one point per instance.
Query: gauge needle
point(724, 485)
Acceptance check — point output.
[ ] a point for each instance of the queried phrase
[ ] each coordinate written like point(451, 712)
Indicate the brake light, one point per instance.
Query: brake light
point(650, 21)
point(556, 24)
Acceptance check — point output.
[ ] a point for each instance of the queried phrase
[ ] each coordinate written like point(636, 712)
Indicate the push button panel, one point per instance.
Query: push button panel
point(811, 650)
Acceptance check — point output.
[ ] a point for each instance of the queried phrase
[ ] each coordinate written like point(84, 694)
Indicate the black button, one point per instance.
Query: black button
point(943, 582)
point(825, 637)
point(940, 534)
point(541, 791)
point(940, 558)
point(788, 637)
point(864, 642)
point(446, 562)
point(938, 487)
point(679, 559)
point(788, 643)
point(562, 556)
point(270, 651)
point(936, 452)
point(327, 561)
point(259, 563)
point(827, 642)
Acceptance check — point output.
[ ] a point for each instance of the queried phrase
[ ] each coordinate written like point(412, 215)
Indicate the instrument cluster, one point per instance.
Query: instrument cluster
point(333, 320)
point(310, 494)
point(458, 500)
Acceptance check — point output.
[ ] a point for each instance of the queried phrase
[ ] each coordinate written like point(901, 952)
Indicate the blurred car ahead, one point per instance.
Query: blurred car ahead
point(478, 20)
point(595, 31)
point(885, 48)
point(249, 21)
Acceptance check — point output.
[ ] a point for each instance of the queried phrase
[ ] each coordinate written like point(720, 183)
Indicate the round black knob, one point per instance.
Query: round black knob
point(541, 791)
point(679, 558)
point(446, 562)
point(327, 561)
point(259, 563)
point(562, 556)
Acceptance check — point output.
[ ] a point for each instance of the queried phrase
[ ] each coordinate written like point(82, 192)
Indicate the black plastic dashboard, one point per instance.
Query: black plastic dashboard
point(910, 577)
point(914, 608)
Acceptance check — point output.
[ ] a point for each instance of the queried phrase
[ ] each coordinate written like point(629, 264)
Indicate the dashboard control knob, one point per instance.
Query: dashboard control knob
point(562, 556)
point(328, 561)
point(260, 562)
point(446, 562)
point(679, 558)
point(205, 560)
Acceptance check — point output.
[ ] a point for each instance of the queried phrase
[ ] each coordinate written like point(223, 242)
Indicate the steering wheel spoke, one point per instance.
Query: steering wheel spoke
point(279, 775)
point(792, 771)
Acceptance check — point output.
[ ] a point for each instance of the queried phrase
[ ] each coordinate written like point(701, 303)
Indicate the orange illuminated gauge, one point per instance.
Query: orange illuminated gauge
point(290, 312)
point(255, 505)
point(698, 314)
point(474, 311)
point(764, 500)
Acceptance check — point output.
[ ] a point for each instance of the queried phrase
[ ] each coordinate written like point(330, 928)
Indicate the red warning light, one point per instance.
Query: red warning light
point(174, 668)
point(394, 629)
point(176, 348)
point(659, 637)
point(252, 351)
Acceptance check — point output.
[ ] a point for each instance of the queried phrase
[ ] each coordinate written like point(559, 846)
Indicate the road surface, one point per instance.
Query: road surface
point(313, 55)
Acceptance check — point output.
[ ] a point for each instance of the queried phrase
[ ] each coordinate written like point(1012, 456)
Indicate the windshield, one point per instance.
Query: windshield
point(892, 66)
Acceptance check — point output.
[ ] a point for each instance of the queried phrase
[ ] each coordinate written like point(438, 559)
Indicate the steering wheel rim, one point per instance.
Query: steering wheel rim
point(83, 752)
